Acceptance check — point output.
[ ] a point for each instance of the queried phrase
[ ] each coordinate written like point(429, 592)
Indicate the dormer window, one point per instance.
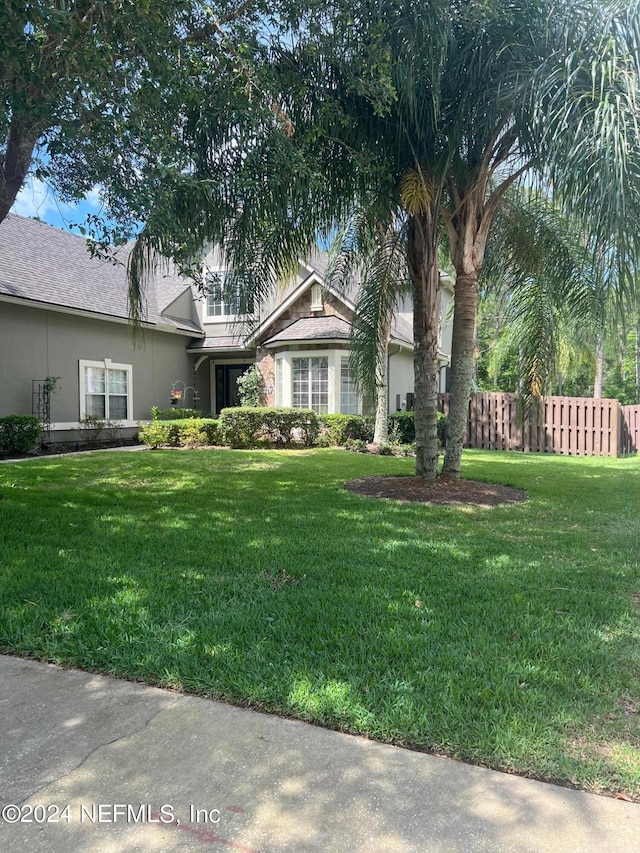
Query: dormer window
point(316, 298)
point(225, 297)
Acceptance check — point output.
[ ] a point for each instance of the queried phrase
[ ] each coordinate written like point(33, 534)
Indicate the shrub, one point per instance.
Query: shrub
point(251, 387)
point(174, 414)
point(402, 427)
point(356, 444)
point(198, 433)
point(20, 433)
point(341, 428)
point(189, 432)
point(244, 426)
point(97, 429)
point(324, 440)
point(159, 433)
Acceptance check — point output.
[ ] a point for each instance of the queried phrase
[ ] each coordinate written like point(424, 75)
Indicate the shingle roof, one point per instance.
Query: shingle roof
point(217, 342)
point(45, 265)
point(401, 330)
point(313, 328)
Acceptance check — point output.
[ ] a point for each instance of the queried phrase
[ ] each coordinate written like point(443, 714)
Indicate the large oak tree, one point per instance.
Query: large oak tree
point(94, 92)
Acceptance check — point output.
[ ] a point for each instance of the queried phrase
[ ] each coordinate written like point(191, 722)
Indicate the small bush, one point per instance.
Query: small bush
point(324, 440)
point(341, 428)
point(159, 433)
point(244, 426)
point(251, 387)
point(189, 432)
point(198, 433)
point(20, 433)
point(97, 430)
point(402, 428)
point(356, 444)
point(174, 414)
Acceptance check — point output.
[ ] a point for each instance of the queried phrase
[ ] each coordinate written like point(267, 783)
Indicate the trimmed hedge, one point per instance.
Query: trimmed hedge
point(175, 414)
point(343, 428)
point(244, 426)
point(188, 432)
point(20, 433)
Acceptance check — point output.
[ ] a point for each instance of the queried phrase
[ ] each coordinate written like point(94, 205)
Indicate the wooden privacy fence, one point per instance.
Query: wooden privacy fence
point(575, 426)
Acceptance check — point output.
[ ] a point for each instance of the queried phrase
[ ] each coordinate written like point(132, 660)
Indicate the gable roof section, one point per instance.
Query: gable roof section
point(48, 267)
point(290, 296)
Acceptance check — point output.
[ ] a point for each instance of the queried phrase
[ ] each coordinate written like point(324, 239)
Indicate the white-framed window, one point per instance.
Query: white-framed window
point(311, 383)
point(224, 296)
point(348, 396)
point(106, 390)
point(320, 380)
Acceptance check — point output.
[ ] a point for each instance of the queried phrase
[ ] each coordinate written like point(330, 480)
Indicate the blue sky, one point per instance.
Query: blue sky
point(35, 199)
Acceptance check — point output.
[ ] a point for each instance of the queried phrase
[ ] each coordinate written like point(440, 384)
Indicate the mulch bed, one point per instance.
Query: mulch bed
point(444, 490)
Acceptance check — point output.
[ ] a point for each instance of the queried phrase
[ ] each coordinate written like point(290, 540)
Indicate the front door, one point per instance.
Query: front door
point(227, 385)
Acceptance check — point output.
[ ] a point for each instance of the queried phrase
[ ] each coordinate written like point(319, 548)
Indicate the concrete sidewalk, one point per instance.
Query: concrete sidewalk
point(143, 769)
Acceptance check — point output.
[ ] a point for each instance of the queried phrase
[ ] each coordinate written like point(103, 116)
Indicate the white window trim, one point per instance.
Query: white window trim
point(218, 318)
point(106, 364)
point(284, 364)
point(358, 402)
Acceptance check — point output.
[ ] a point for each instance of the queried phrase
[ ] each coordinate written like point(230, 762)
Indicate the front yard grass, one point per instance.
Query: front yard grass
point(508, 636)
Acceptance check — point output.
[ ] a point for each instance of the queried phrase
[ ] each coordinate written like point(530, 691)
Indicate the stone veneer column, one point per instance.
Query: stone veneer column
point(267, 366)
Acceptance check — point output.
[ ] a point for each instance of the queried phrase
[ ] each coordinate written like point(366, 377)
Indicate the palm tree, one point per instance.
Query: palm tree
point(426, 112)
point(376, 256)
point(545, 286)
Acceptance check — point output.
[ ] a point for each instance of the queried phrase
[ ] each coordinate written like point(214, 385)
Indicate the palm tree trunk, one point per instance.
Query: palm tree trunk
point(637, 360)
point(425, 278)
point(381, 429)
point(597, 385)
point(464, 321)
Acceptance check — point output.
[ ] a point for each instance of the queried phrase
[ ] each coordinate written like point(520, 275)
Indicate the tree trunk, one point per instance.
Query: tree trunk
point(381, 429)
point(23, 136)
point(597, 385)
point(425, 277)
point(464, 321)
point(637, 360)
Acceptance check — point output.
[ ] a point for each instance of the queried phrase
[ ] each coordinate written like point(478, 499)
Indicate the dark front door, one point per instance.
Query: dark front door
point(227, 385)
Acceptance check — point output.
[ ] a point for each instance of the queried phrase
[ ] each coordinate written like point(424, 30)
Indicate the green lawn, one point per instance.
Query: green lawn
point(506, 636)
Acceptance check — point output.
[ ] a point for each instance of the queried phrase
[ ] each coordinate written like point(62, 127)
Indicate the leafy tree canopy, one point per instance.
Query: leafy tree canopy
point(95, 92)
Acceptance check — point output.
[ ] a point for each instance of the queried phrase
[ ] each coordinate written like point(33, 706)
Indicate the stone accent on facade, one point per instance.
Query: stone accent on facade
point(267, 366)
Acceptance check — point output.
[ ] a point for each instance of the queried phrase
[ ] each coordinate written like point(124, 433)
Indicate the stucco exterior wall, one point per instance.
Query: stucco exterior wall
point(400, 377)
point(36, 343)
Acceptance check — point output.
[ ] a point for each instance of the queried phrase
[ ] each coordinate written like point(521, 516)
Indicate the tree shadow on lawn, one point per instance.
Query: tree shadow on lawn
point(425, 626)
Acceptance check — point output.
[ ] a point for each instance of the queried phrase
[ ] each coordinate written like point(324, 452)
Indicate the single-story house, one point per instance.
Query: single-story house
point(64, 314)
